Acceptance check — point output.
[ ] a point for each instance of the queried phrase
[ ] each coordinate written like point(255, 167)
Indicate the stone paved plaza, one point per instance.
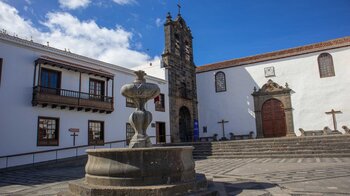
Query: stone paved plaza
point(265, 176)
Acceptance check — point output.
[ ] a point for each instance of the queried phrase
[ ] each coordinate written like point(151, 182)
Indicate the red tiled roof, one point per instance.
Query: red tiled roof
point(326, 45)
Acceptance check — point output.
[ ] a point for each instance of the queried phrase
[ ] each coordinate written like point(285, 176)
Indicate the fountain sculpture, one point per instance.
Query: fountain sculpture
point(140, 92)
point(140, 169)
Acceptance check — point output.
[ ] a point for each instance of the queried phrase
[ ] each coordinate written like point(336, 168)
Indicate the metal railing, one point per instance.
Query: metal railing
point(56, 152)
point(71, 93)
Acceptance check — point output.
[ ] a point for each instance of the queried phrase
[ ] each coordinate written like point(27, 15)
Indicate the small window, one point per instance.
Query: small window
point(220, 82)
point(129, 133)
point(159, 103)
point(325, 65)
point(96, 133)
point(0, 69)
point(48, 129)
point(130, 103)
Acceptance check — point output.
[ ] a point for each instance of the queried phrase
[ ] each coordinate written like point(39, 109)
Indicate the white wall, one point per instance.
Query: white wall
point(18, 118)
point(312, 96)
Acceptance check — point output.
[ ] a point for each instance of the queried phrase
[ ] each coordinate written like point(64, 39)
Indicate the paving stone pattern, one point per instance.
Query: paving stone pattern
point(248, 176)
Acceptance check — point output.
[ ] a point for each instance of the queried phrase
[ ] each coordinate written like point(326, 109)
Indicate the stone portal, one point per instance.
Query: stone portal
point(273, 110)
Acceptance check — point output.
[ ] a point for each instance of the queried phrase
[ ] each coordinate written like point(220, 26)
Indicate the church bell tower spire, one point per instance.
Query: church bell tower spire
point(181, 73)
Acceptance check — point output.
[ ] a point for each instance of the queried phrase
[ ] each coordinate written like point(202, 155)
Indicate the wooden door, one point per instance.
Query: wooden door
point(273, 119)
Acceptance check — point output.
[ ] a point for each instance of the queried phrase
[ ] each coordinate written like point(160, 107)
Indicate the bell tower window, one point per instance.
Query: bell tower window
point(177, 44)
point(187, 51)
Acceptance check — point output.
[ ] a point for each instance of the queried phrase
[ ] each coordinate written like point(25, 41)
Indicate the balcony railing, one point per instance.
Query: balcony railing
point(72, 99)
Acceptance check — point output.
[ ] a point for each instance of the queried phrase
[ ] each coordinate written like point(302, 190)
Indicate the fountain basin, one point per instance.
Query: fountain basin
point(140, 166)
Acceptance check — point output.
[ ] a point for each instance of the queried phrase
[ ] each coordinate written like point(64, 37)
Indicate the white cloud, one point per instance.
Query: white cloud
point(159, 22)
point(81, 37)
point(125, 2)
point(73, 4)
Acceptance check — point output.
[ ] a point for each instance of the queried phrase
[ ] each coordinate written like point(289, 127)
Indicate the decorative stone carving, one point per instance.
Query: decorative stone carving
point(140, 92)
point(271, 87)
point(302, 132)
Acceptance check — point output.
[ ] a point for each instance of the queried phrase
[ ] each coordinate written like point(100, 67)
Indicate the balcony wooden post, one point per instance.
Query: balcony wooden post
point(112, 93)
point(39, 76)
point(107, 88)
point(79, 88)
point(34, 79)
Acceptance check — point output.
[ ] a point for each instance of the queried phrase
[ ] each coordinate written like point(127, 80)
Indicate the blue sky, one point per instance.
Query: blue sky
point(130, 32)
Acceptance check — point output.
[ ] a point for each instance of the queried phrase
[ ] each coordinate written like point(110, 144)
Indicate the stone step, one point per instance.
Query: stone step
point(275, 140)
point(234, 143)
point(272, 150)
point(339, 155)
point(340, 145)
point(310, 146)
point(301, 151)
point(274, 146)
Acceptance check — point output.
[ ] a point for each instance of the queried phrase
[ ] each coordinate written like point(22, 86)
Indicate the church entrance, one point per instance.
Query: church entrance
point(185, 129)
point(273, 119)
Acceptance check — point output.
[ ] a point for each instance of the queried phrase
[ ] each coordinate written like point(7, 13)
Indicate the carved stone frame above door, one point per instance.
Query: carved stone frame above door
point(272, 90)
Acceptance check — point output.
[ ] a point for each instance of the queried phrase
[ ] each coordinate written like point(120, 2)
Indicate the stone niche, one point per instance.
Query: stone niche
point(272, 90)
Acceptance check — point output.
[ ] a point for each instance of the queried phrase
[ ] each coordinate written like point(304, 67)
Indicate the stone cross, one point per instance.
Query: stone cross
point(179, 7)
point(333, 112)
point(74, 134)
point(222, 122)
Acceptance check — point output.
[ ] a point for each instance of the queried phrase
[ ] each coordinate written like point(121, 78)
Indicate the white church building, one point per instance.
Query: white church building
point(275, 94)
point(49, 95)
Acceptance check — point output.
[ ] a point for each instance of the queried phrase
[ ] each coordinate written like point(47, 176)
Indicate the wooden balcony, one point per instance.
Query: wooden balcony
point(71, 99)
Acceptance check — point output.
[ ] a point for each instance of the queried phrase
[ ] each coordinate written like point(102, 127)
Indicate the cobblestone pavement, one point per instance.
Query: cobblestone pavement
point(293, 176)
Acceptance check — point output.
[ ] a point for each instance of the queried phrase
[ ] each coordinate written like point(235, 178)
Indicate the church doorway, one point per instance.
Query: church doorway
point(185, 129)
point(273, 119)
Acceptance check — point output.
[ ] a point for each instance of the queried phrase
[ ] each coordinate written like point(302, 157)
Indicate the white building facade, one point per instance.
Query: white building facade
point(305, 83)
point(47, 95)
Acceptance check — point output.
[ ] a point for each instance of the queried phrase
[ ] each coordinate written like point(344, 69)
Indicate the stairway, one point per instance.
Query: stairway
point(287, 147)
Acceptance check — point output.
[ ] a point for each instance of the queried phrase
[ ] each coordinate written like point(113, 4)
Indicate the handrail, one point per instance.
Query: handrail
point(71, 93)
point(56, 150)
point(62, 149)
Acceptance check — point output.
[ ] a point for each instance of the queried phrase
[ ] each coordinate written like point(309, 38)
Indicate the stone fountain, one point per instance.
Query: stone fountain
point(140, 169)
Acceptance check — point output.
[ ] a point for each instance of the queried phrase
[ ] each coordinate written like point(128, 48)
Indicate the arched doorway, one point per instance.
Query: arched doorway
point(185, 125)
point(273, 119)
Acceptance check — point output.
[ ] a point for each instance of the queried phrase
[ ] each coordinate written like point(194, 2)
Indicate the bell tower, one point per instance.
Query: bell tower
point(177, 59)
